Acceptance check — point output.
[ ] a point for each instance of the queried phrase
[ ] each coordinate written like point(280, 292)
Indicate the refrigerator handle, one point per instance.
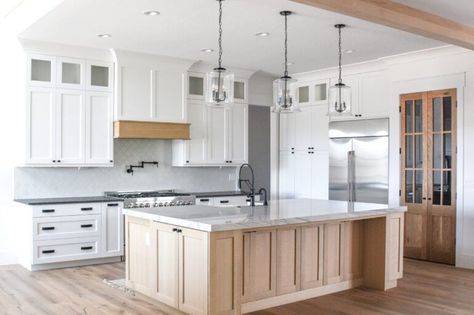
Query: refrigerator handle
point(351, 175)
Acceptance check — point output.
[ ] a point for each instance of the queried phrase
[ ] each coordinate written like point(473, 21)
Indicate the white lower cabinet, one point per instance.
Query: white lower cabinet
point(73, 232)
point(304, 174)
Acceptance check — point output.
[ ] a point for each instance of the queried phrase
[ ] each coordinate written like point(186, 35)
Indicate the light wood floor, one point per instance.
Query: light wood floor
point(426, 289)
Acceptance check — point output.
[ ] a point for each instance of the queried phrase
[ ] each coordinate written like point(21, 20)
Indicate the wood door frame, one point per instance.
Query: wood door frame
point(427, 116)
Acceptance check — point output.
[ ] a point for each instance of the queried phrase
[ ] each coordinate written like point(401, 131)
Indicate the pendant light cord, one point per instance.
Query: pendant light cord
point(340, 56)
point(220, 34)
point(286, 46)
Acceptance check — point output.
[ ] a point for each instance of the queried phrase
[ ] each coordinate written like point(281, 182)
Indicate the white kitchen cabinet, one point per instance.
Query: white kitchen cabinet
point(238, 117)
point(41, 70)
point(304, 174)
point(71, 73)
point(319, 128)
point(112, 230)
point(320, 92)
point(287, 132)
point(196, 86)
point(302, 131)
point(99, 76)
point(303, 94)
point(41, 126)
point(218, 135)
point(70, 127)
point(374, 93)
point(99, 128)
point(240, 91)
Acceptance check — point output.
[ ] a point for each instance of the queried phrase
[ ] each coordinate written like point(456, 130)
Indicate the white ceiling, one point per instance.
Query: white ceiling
point(185, 27)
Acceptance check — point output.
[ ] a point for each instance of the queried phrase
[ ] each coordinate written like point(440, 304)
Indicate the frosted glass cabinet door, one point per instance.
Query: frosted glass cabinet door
point(41, 70)
point(99, 76)
point(99, 128)
point(71, 73)
point(240, 91)
point(196, 86)
point(41, 126)
point(70, 135)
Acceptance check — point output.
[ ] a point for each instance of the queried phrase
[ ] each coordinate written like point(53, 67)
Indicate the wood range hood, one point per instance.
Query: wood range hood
point(131, 129)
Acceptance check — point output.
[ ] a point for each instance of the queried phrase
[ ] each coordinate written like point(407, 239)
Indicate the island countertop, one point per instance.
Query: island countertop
point(278, 212)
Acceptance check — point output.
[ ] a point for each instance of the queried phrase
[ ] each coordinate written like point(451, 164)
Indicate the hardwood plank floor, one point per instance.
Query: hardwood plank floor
point(426, 288)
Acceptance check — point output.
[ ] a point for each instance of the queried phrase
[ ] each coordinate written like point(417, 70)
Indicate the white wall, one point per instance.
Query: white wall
point(439, 68)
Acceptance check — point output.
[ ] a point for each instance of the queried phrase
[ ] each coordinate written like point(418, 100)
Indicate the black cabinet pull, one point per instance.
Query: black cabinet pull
point(179, 230)
point(175, 230)
point(86, 247)
point(48, 210)
point(248, 200)
point(54, 161)
point(86, 226)
point(112, 205)
point(204, 199)
point(59, 161)
point(111, 161)
point(48, 251)
point(87, 209)
point(48, 228)
point(187, 161)
point(224, 201)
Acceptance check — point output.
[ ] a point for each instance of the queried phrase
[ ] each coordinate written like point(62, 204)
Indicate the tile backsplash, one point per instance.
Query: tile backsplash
point(62, 182)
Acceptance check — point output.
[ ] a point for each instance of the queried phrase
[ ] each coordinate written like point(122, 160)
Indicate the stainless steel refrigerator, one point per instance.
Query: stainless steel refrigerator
point(358, 160)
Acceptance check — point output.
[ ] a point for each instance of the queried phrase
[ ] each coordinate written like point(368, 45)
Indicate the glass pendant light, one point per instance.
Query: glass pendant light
point(340, 95)
point(220, 81)
point(282, 95)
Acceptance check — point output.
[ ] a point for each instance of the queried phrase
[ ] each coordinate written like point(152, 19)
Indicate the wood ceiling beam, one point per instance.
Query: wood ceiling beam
point(402, 17)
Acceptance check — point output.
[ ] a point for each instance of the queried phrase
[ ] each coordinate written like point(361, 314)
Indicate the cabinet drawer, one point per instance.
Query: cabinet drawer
point(65, 250)
point(206, 201)
point(66, 227)
point(56, 210)
point(231, 201)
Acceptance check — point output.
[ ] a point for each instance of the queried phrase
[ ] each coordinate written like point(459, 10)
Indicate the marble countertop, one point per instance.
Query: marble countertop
point(278, 212)
point(212, 194)
point(50, 201)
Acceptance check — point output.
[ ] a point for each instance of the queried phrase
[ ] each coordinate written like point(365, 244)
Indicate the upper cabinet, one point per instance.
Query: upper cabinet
point(196, 85)
point(240, 91)
point(312, 93)
point(153, 88)
point(69, 112)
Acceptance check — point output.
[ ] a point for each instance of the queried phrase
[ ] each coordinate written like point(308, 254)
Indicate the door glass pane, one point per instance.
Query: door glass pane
point(408, 116)
point(409, 186)
point(447, 154)
point(437, 114)
point(436, 150)
point(418, 116)
point(418, 151)
point(320, 93)
point(447, 188)
point(99, 76)
point(418, 186)
point(196, 85)
point(71, 73)
point(436, 187)
point(447, 113)
point(41, 70)
point(303, 94)
point(239, 90)
point(408, 151)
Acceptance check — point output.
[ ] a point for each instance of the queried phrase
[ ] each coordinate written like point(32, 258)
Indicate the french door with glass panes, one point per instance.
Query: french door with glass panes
point(428, 174)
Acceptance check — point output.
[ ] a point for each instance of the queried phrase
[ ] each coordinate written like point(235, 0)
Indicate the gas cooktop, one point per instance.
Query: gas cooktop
point(158, 198)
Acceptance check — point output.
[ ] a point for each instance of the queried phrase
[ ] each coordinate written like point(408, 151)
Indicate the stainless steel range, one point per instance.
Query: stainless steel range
point(148, 199)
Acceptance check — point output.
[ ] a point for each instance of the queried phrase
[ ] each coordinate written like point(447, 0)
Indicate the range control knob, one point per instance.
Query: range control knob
point(160, 204)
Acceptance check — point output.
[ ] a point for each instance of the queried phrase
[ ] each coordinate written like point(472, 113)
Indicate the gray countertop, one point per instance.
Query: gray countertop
point(212, 194)
point(50, 201)
point(278, 212)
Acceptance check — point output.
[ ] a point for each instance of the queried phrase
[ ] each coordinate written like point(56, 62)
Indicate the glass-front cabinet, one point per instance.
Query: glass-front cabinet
point(196, 86)
point(41, 70)
point(240, 91)
point(428, 174)
point(99, 76)
point(71, 73)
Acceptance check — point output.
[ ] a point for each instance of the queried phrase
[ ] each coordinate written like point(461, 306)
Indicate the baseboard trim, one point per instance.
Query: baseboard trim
point(69, 264)
point(299, 296)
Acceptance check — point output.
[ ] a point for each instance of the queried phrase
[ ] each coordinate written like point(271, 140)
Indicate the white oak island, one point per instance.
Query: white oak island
point(209, 260)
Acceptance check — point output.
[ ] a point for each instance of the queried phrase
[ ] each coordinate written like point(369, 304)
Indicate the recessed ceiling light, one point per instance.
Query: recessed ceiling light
point(104, 35)
point(348, 51)
point(151, 12)
point(207, 50)
point(262, 34)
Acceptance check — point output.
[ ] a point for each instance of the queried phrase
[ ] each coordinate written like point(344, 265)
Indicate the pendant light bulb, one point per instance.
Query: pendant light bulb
point(282, 93)
point(220, 81)
point(340, 94)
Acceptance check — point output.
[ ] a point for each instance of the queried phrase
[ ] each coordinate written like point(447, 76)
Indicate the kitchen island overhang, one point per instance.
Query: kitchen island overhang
point(208, 260)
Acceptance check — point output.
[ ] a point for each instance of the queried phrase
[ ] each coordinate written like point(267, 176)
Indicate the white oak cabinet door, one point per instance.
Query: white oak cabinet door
point(99, 128)
point(193, 264)
point(218, 135)
point(71, 73)
point(239, 134)
point(40, 137)
point(166, 287)
point(70, 133)
point(196, 148)
point(112, 229)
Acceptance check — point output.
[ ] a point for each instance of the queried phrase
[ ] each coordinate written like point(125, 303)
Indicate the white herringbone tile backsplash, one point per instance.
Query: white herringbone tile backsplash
point(43, 182)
